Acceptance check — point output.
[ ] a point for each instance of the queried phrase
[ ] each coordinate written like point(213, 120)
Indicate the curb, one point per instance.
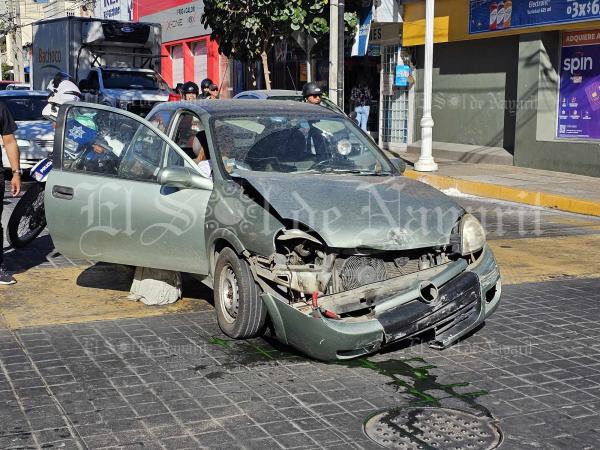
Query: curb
point(533, 198)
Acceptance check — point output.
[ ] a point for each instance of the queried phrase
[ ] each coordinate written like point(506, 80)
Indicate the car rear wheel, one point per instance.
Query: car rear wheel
point(240, 310)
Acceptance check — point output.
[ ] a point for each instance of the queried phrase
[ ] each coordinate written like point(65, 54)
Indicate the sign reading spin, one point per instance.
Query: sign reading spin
point(579, 92)
point(487, 16)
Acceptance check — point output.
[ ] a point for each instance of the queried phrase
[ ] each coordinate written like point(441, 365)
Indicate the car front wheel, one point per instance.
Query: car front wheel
point(240, 310)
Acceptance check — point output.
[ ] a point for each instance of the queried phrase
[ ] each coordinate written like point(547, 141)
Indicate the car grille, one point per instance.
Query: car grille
point(354, 271)
point(44, 143)
point(141, 108)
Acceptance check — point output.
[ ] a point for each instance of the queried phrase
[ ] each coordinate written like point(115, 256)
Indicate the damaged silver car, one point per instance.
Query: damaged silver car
point(293, 215)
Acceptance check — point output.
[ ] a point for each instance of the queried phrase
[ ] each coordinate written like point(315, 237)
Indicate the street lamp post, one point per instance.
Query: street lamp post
point(333, 51)
point(426, 162)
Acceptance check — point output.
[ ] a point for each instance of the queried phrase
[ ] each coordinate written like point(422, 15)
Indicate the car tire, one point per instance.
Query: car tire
point(241, 313)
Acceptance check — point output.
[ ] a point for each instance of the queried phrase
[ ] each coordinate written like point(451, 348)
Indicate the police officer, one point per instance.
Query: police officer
point(7, 130)
point(205, 87)
point(312, 93)
point(190, 91)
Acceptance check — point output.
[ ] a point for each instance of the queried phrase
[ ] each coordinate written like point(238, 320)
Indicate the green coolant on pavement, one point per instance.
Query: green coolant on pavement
point(411, 376)
point(417, 381)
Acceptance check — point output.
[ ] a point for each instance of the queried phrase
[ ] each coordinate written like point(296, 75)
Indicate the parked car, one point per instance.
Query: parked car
point(4, 83)
point(18, 87)
point(283, 94)
point(305, 225)
point(35, 135)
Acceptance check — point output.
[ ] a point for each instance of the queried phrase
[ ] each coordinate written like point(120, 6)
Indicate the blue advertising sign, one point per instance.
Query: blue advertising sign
point(361, 40)
point(579, 92)
point(402, 74)
point(487, 16)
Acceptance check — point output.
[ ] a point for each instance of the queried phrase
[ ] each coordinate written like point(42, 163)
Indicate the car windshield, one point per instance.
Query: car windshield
point(131, 80)
point(26, 107)
point(292, 143)
point(298, 98)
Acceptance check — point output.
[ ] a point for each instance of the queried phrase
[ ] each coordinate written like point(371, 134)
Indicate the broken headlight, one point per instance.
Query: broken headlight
point(472, 235)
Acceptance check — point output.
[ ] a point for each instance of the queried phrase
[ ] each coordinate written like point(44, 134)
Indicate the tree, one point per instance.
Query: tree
point(247, 29)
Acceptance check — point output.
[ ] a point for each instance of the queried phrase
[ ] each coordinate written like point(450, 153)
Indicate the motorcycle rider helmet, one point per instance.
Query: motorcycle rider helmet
point(189, 87)
point(62, 90)
point(205, 84)
point(311, 89)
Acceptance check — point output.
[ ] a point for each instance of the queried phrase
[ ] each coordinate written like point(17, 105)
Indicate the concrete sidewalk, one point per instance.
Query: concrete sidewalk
point(558, 190)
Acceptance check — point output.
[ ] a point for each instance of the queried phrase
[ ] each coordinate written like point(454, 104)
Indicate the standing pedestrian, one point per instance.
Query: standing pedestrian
point(7, 130)
point(204, 88)
point(213, 92)
point(360, 98)
point(190, 91)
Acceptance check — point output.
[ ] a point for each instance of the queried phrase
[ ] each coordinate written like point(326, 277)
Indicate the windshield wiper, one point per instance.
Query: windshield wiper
point(356, 171)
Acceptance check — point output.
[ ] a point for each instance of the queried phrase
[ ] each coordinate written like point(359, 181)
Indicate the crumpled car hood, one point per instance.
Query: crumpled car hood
point(349, 211)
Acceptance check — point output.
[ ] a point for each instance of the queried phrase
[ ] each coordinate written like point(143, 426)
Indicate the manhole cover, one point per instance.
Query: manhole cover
point(432, 428)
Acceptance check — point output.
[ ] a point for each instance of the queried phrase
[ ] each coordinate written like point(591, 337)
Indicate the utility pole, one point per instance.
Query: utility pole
point(340, 67)
point(16, 43)
point(333, 51)
point(426, 162)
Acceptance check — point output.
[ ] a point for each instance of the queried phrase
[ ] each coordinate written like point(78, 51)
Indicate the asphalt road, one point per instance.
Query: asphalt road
point(80, 367)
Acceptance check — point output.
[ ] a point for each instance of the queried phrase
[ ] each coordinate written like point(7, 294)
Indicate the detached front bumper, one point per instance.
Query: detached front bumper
point(467, 295)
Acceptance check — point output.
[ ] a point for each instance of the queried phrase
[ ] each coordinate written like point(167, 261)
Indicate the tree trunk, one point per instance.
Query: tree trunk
point(265, 64)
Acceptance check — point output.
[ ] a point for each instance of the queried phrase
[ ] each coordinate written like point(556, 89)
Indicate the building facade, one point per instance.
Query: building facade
point(519, 78)
point(188, 52)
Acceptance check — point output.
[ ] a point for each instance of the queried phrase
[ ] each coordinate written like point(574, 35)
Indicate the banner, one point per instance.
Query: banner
point(361, 40)
point(180, 22)
point(114, 9)
point(487, 16)
point(579, 91)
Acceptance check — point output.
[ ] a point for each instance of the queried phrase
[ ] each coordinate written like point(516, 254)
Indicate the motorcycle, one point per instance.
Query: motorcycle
point(28, 219)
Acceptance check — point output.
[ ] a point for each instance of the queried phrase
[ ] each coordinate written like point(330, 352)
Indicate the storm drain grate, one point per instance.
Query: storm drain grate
point(432, 428)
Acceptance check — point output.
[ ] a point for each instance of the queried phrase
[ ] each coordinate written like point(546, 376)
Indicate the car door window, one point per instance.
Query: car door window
point(160, 120)
point(187, 126)
point(94, 140)
point(144, 155)
point(107, 143)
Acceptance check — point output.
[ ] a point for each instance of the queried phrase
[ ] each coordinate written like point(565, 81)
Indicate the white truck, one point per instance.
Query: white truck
point(114, 63)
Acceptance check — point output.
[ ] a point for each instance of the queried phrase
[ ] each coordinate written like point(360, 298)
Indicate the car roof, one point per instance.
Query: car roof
point(125, 69)
point(226, 108)
point(24, 93)
point(264, 93)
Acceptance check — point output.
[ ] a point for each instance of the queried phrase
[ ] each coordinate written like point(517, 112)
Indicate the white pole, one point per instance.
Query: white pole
point(426, 162)
point(333, 51)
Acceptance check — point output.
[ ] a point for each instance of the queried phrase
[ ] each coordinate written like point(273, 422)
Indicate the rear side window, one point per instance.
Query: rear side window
point(26, 107)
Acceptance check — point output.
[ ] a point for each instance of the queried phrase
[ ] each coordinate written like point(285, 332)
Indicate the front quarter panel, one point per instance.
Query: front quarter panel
point(232, 213)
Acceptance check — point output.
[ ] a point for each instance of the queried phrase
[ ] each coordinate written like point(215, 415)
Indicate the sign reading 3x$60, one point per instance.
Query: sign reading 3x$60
point(487, 16)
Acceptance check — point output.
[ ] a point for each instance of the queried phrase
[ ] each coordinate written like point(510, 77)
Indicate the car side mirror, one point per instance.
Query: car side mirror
point(353, 116)
point(184, 178)
point(399, 164)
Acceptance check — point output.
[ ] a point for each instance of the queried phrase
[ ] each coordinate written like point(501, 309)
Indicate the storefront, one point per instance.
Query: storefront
point(188, 52)
point(517, 77)
point(394, 93)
